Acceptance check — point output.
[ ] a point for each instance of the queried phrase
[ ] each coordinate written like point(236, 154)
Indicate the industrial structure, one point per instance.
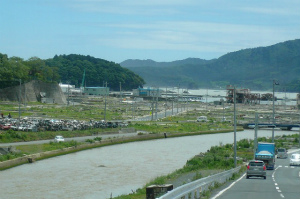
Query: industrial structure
point(242, 96)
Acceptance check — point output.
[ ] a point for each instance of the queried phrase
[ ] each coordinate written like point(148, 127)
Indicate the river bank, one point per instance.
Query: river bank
point(112, 170)
point(107, 142)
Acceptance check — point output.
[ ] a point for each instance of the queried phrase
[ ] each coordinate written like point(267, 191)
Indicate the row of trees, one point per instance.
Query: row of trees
point(15, 68)
point(67, 69)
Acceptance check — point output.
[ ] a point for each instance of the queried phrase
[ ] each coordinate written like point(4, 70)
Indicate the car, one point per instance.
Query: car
point(256, 168)
point(282, 153)
point(202, 119)
point(59, 138)
point(295, 159)
point(5, 126)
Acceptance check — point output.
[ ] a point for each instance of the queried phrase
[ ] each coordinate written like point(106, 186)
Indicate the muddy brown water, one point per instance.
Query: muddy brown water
point(109, 171)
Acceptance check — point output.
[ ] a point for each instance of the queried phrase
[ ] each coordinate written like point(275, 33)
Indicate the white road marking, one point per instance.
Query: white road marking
point(221, 192)
point(276, 184)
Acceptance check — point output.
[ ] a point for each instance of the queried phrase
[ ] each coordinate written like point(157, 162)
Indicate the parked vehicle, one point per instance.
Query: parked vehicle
point(295, 159)
point(122, 124)
point(202, 119)
point(256, 168)
point(266, 153)
point(4, 126)
point(59, 138)
point(282, 153)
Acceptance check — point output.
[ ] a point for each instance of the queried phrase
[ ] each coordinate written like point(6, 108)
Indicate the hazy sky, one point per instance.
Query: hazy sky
point(161, 30)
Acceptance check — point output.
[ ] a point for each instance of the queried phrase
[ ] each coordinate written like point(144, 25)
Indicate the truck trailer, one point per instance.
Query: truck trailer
point(266, 152)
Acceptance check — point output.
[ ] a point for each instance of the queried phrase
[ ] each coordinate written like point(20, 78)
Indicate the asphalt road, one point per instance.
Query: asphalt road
point(282, 182)
point(79, 139)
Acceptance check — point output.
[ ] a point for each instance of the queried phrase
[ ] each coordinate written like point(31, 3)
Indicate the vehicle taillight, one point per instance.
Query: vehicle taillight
point(248, 167)
point(264, 168)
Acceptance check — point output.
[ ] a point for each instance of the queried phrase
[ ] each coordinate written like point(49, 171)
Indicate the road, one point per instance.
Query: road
point(78, 139)
point(282, 182)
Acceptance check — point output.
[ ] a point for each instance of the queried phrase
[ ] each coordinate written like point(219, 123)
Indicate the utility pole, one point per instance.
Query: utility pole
point(206, 98)
point(105, 101)
point(68, 93)
point(166, 103)
point(172, 105)
point(178, 97)
point(156, 103)
point(299, 123)
point(121, 90)
point(234, 118)
point(274, 83)
point(120, 93)
point(20, 102)
point(255, 135)
point(152, 104)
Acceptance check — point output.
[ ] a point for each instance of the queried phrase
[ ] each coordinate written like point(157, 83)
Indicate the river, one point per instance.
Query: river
point(112, 170)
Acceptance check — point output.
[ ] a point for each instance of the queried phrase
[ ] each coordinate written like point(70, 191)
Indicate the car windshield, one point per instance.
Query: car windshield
point(281, 150)
point(295, 156)
point(256, 163)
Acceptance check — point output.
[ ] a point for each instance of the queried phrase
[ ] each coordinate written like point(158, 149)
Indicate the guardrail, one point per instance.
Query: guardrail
point(195, 188)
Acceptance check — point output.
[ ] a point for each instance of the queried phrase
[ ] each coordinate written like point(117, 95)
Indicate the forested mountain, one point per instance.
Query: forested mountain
point(67, 69)
point(254, 68)
point(97, 72)
point(149, 62)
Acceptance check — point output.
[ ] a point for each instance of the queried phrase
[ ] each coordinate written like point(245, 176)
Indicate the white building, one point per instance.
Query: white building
point(66, 88)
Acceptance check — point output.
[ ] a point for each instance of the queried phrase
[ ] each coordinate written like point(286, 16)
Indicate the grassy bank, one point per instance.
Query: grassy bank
point(217, 159)
point(22, 150)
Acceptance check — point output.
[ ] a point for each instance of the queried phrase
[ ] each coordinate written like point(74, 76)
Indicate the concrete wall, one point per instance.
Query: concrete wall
point(31, 92)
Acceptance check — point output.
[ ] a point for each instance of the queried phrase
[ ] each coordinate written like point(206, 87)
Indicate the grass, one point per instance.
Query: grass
point(217, 158)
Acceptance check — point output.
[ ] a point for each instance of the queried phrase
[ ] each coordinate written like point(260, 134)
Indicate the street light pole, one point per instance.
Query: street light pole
point(105, 101)
point(255, 134)
point(234, 118)
point(20, 103)
point(274, 83)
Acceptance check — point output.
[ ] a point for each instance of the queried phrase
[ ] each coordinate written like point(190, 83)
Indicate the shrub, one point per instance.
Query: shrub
point(98, 139)
point(90, 141)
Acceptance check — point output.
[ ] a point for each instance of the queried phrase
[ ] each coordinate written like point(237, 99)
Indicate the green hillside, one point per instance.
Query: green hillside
point(67, 69)
point(97, 72)
point(250, 68)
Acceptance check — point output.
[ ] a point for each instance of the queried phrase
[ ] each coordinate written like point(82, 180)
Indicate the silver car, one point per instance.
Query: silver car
point(59, 138)
point(256, 168)
point(295, 159)
point(282, 153)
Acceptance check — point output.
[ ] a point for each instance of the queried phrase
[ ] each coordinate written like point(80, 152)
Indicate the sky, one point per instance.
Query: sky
point(161, 30)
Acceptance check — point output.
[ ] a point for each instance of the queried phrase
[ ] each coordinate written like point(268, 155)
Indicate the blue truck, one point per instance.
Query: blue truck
point(266, 152)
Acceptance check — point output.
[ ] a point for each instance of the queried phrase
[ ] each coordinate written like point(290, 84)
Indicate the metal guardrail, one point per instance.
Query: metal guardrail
point(194, 189)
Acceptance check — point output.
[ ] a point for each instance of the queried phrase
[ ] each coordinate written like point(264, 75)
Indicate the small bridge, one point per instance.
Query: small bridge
point(267, 125)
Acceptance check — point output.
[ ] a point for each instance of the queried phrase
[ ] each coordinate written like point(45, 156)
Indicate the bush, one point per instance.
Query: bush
point(90, 141)
point(98, 139)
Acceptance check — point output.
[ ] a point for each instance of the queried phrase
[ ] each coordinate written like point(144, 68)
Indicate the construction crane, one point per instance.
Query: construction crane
point(82, 83)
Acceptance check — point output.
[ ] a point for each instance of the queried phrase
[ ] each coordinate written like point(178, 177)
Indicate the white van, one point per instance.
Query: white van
point(202, 119)
point(282, 153)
